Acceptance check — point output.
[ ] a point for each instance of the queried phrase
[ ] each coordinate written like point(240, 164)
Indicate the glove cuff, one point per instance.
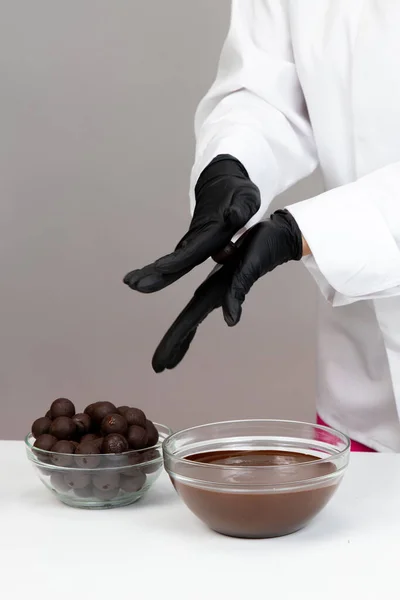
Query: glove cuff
point(294, 236)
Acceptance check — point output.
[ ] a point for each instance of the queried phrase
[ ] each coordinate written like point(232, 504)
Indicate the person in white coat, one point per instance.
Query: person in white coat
point(301, 84)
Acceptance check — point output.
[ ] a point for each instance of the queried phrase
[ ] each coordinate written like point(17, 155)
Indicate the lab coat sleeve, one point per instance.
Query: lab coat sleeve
point(255, 110)
point(354, 235)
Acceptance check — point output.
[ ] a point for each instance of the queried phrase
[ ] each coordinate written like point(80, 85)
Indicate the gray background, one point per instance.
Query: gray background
point(96, 107)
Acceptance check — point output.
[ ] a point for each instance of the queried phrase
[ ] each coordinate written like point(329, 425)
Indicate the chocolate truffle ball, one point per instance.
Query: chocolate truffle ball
point(57, 483)
point(114, 444)
point(48, 414)
point(114, 423)
point(77, 480)
point(40, 426)
point(65, 457)
point(105, 494)
point(153, 456)
point(101, 410)
point(83, 423)
point(152, 433)
point(130, 471)
point(132, 484)
point(92, 460)
point(106, 480)
point(122, 409)
point(62, 407)
point(89, 437)
point(99, 442)
point(63, 428)
point(135, 416)
point(75, 444)
point(135, 460)
point(86, 492)
point(45, 442)
point(116, 460)
point(137, 437)
point(89, 410)
point(47, 471)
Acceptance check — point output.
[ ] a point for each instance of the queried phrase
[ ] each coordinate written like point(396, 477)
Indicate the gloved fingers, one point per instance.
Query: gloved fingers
point(232, 305)
point(168, 269)
point(179, 336)
point(175, 343)
point(248, 270)
point(244, 205)
point(225, 254)
point(193, 249)
point(213, 236)
point(168, 356)
point(263, 248)
point(148, 280)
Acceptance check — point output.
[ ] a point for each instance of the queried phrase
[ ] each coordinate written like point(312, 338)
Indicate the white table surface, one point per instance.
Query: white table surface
point(157, 549)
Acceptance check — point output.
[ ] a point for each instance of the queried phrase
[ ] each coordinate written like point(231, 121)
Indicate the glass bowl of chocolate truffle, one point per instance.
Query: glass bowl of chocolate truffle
point(104, 457)
point(256, 478)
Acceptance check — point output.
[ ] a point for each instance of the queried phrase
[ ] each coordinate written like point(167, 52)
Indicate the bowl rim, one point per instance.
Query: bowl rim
point(331, 430)
point(167, 431)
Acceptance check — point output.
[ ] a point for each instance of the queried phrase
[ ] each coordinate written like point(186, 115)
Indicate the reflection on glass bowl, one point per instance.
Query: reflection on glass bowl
point(99, 481)
point(256, 478)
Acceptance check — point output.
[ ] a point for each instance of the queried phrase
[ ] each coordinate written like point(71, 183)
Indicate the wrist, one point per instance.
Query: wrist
point(306, 247)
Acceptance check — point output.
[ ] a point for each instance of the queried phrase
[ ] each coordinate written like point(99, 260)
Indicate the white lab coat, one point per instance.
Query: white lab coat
point(308, 82)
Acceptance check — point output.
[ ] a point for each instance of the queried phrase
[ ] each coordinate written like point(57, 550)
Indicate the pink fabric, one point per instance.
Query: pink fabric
point(355, 446)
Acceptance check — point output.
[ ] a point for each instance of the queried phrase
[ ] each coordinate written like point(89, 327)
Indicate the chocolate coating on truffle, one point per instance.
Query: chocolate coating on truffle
point(83, 423)
point(65, 451)
point(137, 437)
point(77, 480)
point(114, 423)
point(101, 410)
point(135, 460)
point(135, 416)
point(132, 484)
point(106, 480)
point(116, 460)
point(75, 444)
point(89, 437)
point(122, 409)
point(40, 426)
point(155, 461)
point(62, 407)
point(89, 410)
point(57, 482)
point(45, 442)
point(86, 492)
point(63, 428)
point(152, 433)
point(48, 414)
point(99, 442)
point(114, 444)
point(87, 455)
point(105, 494)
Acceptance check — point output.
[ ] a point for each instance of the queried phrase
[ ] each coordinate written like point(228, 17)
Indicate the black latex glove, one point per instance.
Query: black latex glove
point(262, 249)
point(179, 336)
point(226, 199)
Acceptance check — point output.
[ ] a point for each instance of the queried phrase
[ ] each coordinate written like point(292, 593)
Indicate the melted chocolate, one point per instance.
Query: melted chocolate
point(266, 513)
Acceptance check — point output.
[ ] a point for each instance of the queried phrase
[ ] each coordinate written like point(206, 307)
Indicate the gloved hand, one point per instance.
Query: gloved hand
point(226, 199)
point(261, 249)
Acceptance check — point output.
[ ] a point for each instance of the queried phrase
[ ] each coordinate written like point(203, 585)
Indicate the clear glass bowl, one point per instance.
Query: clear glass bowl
point(271, 479)
point(99, 481)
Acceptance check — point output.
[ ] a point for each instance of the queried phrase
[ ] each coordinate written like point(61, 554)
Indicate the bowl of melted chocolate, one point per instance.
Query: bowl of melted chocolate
point(256, 478)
